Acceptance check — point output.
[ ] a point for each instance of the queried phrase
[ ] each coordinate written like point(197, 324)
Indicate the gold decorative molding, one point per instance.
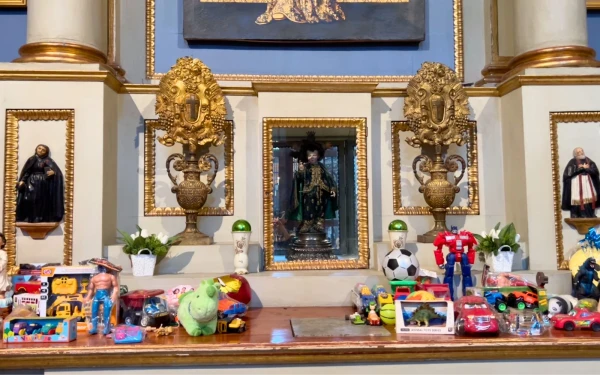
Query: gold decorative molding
point(60, 52)
point(334, 87)
point(152, 74)
point(11, 172)
point(564, 56)
point(360, 125)
point(517, 82)
point(13, 3)
point(555, 119)
point(108, 77)
point(593, 4)
point(150, 209)
point(113, 22)
point(494, 72)
point(472, 207)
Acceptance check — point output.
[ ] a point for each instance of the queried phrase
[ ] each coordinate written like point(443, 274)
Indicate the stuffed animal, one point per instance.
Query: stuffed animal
point(197, 310)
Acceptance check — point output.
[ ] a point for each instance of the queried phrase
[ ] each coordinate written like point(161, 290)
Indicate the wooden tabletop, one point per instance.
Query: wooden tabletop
point(269, 340)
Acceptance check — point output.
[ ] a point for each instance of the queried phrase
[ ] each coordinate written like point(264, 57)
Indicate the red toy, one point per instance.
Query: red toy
point(474, 316)
point(577, 318)
point(456, 242)
point(439, 291)
point(32, 287)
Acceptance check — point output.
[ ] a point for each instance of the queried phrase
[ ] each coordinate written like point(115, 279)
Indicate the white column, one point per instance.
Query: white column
point(549, 23)
point(66, 31)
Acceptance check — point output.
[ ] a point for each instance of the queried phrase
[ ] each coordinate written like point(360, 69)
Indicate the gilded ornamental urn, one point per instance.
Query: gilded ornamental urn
point(437, 111)
point(191, 109)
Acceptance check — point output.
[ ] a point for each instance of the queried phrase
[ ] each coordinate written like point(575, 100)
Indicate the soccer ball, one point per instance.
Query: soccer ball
point(400, 264)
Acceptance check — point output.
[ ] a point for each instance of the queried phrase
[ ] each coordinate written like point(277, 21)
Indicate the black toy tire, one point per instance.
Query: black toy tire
point(460, 327)
point(569, 326)
point(596, 327)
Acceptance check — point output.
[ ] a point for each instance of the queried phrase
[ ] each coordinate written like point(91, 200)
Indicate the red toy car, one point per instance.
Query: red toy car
point(577, 318)
point(474, 316)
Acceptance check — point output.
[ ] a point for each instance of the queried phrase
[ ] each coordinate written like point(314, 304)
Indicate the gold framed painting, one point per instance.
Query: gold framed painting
point(13, 3)
point(469, 189)
point(315, 200)
point(14, 143)
point(568, 131)
point(220, 203)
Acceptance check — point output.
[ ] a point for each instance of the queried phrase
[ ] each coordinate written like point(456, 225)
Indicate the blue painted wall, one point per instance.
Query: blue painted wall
point(303, 60)
point(593, 23)
point(13, 32)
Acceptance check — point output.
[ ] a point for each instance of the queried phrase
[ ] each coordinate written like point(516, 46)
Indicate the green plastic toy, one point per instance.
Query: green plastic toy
point(197, 310)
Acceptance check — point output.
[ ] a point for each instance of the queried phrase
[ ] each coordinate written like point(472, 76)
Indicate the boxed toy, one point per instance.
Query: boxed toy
point(426, 317)
point(63, 291)
point(25, 330)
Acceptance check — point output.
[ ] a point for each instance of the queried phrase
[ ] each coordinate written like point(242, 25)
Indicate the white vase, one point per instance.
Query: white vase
point(143, 263)
point(398, 239)
point(240, 245)
point(501, 262)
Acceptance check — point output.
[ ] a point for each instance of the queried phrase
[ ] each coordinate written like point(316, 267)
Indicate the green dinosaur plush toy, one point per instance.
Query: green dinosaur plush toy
point(197, 310)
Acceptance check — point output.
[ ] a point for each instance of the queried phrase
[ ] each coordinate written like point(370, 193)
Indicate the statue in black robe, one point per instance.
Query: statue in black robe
point(41, 192)
point(314, 191)
point(581, 185)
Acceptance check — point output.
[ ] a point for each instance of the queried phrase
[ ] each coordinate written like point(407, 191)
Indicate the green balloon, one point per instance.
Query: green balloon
point(241, 226)
point(398, 225)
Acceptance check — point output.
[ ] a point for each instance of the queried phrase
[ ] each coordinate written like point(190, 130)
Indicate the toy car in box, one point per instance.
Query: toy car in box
point(34, 329)
point(63, 290)
point(145, 308)
point(426, 317)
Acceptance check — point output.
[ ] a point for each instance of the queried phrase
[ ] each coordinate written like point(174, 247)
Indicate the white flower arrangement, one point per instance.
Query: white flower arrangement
point(158, 244)
point(497, 239)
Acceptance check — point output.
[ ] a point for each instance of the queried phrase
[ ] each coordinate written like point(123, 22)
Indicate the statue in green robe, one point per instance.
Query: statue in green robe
point(314, 191)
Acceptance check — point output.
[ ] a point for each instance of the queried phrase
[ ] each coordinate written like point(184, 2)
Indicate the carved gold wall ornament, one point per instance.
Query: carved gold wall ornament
point(13, 3)
point(360, 126)
point(437, 110)
point(555, 119)
point(191, 109)
point(11, 160)
point(150, 208)
point(472, 207)
point(457, 17)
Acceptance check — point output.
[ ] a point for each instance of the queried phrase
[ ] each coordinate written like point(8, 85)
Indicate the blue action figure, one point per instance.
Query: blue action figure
point(591, 239)
point(104, 286)
point(456, 242)
point(583, 283)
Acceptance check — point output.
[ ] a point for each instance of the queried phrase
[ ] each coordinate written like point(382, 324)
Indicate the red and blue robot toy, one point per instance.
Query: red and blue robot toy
point(456, 242)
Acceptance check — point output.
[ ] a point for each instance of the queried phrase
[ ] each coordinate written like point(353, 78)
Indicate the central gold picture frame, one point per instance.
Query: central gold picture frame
point(360, 126)
point(472, 207)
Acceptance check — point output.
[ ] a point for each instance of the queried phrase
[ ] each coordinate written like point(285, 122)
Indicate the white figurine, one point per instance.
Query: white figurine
point(241, 231)
point(240, 259)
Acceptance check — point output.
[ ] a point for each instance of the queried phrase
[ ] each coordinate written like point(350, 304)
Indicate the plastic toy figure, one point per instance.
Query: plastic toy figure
point(4, 280)
point(104, 287)
point(584, 281)
point(456, 242)
point(591, 239)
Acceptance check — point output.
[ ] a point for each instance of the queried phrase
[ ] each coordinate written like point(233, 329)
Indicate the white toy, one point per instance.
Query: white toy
point(562, 304)
point(400, 264)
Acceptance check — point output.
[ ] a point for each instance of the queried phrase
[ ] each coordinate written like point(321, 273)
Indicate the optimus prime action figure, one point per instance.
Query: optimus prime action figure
point(456, 242)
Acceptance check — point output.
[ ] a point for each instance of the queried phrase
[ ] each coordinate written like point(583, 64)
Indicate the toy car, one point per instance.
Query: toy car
point(496, 299)
point(362, 297)
point(474, 316)
point(145, 308)
point(439, 291)
point(229, 308)
point(32, 287)
point(402, 293)
point(522, 300)
point(236, 325)
point(577, 318)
